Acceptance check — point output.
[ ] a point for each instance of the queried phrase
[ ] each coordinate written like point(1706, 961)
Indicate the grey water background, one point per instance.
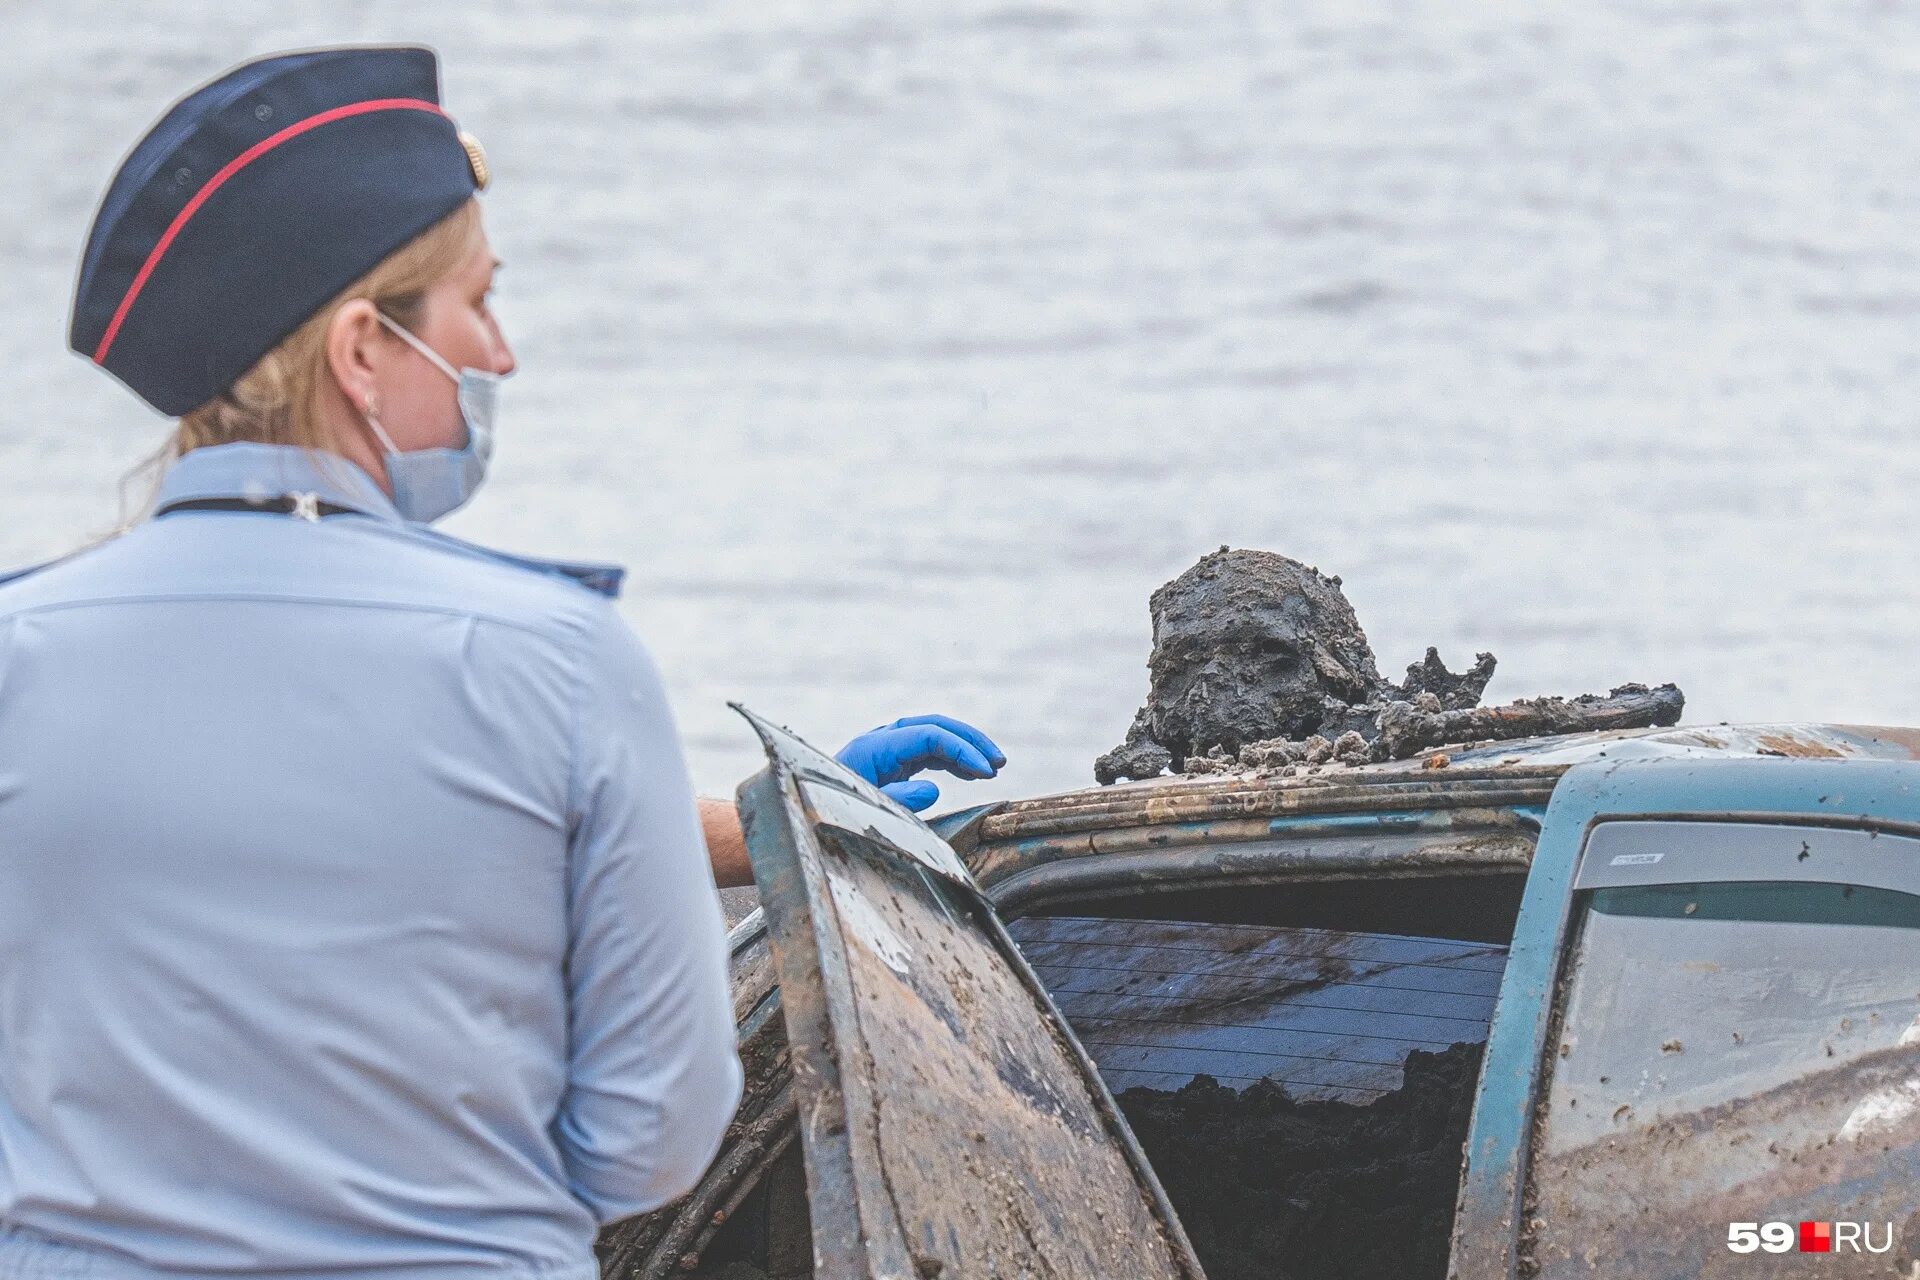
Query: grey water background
point(900, 349)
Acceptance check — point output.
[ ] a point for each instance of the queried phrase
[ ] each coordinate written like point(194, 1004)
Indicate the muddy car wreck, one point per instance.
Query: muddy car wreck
point(1381, 983)
point(1603, 1004)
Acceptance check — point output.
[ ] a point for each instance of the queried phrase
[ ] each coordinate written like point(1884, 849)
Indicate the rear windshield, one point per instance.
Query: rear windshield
point(1302, 1093)
point(1328, 1014)
point(1728, 1053)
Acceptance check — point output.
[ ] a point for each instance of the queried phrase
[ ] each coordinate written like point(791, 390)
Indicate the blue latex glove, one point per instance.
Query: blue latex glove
point(890, 755)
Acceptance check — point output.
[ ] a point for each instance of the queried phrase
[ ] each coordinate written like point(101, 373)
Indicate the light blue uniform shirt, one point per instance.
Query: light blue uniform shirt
point(354, 914)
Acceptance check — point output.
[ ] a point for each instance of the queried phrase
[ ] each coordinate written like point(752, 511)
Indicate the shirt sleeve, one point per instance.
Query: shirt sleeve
point(653, 1072)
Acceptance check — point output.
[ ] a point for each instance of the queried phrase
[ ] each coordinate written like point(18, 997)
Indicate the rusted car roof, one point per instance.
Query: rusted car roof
point(1491, 774)
point(1524, 761)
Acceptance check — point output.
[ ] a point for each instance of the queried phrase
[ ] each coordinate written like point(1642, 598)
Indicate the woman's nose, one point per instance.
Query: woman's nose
point(503, 361)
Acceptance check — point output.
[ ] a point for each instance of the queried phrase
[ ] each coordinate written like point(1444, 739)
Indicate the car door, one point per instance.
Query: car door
point(1705, 1059)
point(952, 1126)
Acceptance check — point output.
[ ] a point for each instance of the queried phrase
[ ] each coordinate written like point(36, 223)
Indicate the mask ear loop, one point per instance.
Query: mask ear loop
point(380, 433)
point(386, 441)
point(399, 331)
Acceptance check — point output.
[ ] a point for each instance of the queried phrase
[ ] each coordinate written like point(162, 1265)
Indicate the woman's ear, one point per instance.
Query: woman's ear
point(353, 351)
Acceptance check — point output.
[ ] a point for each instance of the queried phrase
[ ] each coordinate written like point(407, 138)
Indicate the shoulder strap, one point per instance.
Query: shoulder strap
point(601, 579)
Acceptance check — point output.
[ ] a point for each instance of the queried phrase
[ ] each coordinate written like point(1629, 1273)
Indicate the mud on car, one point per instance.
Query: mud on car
point(1615, 1004)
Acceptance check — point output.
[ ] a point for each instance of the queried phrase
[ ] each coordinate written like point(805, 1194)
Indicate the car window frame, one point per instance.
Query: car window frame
point(883, 944)
point(1863, 796)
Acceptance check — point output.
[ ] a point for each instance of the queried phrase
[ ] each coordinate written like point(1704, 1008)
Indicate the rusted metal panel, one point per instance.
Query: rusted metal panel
point(1889, 739)
point(994, 863)
point(1524, 763)
point(1798, 746)
point(951, 1124)
point(1715, 742)
point(1360, 790)
point(1011, 838)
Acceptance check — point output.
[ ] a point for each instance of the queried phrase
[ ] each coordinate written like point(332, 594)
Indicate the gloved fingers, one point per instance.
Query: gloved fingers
point(912, 795)
point(959, 728)
point(929, 746)
point(895, 752)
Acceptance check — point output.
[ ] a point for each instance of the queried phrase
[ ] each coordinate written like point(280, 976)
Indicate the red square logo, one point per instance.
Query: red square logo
point(1816, 1237)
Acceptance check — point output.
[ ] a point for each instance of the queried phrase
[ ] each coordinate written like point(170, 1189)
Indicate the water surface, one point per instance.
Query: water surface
point(900, 350)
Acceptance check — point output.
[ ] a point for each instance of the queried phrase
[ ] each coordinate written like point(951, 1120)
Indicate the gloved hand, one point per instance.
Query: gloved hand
point(893, 753)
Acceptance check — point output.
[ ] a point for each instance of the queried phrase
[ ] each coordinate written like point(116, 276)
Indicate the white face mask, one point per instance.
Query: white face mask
point(429, 483)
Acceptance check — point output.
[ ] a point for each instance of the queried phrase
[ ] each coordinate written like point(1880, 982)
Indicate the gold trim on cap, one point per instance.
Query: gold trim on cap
point(476, 159)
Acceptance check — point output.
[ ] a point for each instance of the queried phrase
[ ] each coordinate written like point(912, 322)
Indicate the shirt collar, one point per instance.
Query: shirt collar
point(250, 470)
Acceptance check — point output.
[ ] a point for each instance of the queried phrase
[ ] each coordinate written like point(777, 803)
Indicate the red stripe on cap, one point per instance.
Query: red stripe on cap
point(219, 179)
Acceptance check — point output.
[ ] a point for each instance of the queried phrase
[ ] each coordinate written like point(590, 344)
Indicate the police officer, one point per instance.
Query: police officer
point(354, 913)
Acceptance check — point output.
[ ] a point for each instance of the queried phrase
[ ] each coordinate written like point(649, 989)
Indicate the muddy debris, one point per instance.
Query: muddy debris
point(1139, 756)
point(1260, 664)
point(1273, 1188)
point(1405, 732)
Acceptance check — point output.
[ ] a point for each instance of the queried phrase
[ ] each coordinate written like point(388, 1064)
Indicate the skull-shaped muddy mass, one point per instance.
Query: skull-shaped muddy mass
point(1249, 645)
point(1260, 662)
point(1252, 648)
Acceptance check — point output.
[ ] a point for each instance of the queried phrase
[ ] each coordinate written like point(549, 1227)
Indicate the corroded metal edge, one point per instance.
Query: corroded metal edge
point(794, 899)
point(846, 1180)
point(1349, 789)
point(1524, 762)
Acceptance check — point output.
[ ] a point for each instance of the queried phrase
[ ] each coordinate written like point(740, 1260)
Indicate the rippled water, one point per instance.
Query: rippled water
point(902, 349)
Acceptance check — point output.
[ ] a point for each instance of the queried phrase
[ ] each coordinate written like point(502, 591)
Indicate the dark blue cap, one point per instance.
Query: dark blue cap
point(252, 202)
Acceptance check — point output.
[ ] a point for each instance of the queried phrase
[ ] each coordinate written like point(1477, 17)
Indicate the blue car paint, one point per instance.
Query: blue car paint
point(1850, 792)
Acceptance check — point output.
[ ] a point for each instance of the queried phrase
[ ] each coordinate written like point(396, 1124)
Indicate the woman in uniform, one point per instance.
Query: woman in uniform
point(356, 917)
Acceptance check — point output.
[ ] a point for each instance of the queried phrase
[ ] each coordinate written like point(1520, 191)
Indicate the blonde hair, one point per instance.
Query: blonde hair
point(277, 400)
